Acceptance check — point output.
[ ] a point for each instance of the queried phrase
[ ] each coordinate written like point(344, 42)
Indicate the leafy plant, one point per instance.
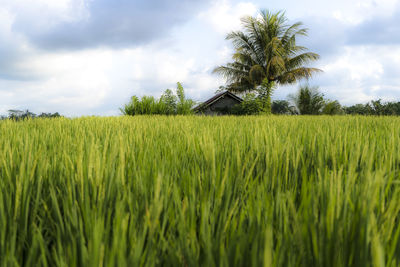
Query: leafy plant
point(251, 105)
point(308, 100)
point(168, 104)
point(184, 106)
point(283, 107)
point(332, 108)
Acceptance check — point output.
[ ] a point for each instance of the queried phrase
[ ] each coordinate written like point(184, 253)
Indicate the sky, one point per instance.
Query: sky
point(88, 57)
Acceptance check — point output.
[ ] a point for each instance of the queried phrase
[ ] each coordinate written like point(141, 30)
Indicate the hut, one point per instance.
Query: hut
point(219, 104)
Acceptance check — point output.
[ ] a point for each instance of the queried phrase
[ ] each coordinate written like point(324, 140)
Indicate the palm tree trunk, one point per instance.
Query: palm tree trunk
point(265, 93)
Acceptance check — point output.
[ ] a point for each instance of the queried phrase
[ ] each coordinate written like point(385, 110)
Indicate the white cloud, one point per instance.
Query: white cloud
point(44, 14)
point(225, 17)
point(356, 12)
point(100, 81)
point(360, 74)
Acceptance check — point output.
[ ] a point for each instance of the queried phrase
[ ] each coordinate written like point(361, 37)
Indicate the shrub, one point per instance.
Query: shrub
point(308, 100)
point(332, 108)
point(168, 104)
point(283, 107)
point(184, 106)
point(49, 115)
point(251, 105)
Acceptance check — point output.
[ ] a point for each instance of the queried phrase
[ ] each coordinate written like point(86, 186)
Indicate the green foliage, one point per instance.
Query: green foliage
point(146, 105)
point(49, 115)
point(332, 108)
point(26, 114)
point(168, 101)
point(358, 109)
point(200, 191)
point(308, 100)
point(20, 114)
point(168, 104)
point(251, 105)
point(184, 106)
point(374, 108)
point(266, 54)
point(282, 107)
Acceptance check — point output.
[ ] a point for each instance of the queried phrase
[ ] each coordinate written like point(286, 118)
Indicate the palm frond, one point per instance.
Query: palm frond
point(295, 75)
point(231, 74)
point(301, 60)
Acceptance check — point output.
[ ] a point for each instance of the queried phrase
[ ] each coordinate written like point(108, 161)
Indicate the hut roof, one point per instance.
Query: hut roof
point(216, 98)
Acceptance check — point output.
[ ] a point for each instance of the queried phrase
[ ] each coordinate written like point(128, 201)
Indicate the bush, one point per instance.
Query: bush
point(251, 105)
point(332, 108)
point(308, 100)
point(184, 106)
point(168, 104)
point(49, 115)
point(283, 107)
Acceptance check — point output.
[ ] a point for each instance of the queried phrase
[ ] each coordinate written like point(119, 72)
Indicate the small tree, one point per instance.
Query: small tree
point(168, 104)
point(251, 105)
point(184, 106)
point(282, 107)
point(168, 100)
point(332, 108)
point(308, 100)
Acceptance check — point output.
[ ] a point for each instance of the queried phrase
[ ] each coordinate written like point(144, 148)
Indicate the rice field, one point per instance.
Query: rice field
point(200, 191)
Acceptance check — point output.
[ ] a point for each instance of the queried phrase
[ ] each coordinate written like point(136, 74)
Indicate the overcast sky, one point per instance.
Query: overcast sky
point(88, 57)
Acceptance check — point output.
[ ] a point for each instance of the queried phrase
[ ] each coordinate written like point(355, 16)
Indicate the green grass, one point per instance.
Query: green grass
point(189, 191)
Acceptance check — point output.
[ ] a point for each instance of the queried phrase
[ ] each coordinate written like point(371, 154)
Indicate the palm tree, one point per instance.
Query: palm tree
point(266, 54)
point(308, 100)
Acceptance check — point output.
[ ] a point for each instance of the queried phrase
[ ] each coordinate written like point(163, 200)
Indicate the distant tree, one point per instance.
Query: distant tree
point(131, 108)
point(392, 108)
point(169, 101)
point(266, 54)
point(332, 108)
point(375, 107)
point(251, 105)
point(49, 115)
point(168, 104)
point(184, 105)
point(308, 100)
point(358, 109)
point(282, 107)
point(14, 114)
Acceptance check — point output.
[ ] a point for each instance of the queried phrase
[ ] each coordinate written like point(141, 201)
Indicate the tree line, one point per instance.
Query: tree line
point(310, 101)
point(17, 115)
point(307, 100)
